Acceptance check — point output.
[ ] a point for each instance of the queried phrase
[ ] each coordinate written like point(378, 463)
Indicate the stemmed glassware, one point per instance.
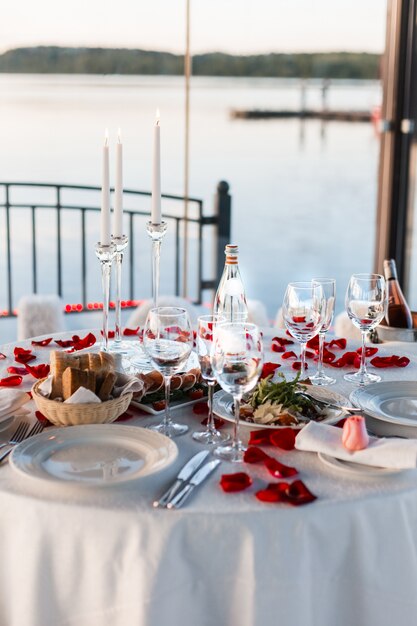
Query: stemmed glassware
point(237, 359)
point(168, 341)
point(302, 311)
point(366, 303)
point(205, 329)
point(328, 286)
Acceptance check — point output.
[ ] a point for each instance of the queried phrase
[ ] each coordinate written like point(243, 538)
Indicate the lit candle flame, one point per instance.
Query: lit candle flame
point(157, 118)
point(119, 136)
point(106, 137)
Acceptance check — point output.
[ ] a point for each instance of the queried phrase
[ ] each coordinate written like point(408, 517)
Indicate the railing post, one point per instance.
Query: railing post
point(223, 211)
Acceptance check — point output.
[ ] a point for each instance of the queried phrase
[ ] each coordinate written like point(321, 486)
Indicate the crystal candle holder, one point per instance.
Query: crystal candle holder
point(105, 254)
point(156, 232)
point(120, 243)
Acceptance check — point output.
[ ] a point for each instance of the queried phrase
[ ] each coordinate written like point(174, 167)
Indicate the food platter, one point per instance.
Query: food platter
point(223, 407)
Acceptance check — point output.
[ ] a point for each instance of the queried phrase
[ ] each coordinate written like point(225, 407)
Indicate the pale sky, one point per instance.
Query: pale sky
point(236, 26)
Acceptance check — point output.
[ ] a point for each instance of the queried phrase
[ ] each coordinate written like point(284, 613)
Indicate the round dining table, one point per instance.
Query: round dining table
point(76, 556)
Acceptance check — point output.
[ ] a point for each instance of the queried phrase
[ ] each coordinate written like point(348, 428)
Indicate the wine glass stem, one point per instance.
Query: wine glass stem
point(321, 350)
point(167, 417)
point(362, 369)
point(303, 360)
point(105, 279)
point(236, 401)
point(210, 422)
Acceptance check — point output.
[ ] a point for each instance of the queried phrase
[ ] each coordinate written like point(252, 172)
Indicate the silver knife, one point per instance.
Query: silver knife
point(179, 499)
point(187, 471)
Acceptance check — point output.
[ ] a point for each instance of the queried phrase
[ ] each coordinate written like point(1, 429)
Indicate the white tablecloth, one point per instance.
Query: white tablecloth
point(107, 558)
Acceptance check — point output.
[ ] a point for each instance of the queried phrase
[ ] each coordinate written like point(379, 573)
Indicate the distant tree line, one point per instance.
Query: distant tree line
point(57, 60)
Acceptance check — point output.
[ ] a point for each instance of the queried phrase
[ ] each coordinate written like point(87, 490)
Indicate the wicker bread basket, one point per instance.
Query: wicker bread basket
point(61, 414)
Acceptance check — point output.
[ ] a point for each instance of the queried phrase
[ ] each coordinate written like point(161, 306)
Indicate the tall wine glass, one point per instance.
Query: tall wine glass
point(237, 360)
point(328, 286)
point(302, 310)
point(205, 329)
point(366, 304)
point(168, 341)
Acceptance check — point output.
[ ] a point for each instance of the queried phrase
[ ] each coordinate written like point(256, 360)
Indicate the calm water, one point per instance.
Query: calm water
point(304, 193)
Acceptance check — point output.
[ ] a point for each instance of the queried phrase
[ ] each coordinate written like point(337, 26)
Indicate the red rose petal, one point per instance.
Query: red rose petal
point(274, 492)
point(21, 371)
point(298, 493)
point(254, 455)
point(269, 368)
point(295, 493)
point(23, 356)
point(64, 343)
point(281, 341)
point(235, 482)
point(42, 419)
point(110, 334)
point(259, 437)
point(276, 348)
point(201, 408)
point(283, 438)
point(131, 331)
point(38, 371)
point(11, 381)
point(289, 355)
point(42, 343)
point(338, 343)
point(297, 365)
point(390, 361)
point(368, 351)
point(279, 470)
point(2, 356)
point(124, 416)
point(313, 344)
point(218, 422)
point(85, 342)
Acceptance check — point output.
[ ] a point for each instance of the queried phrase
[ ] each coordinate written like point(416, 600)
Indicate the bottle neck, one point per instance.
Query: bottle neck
point(390, 270)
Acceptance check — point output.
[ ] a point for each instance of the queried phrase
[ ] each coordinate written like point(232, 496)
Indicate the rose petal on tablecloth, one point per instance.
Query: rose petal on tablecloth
point(277, 348)
point(21, 371)
point(289, 355)
point(23, 356)
point(43, 343)
point(269, 368)
point(38, 371)
point(218, 422)
point(42, 419)
point(283, 438)
point(295, 493)
point(2, 356)
point(337, 343)
point(390, 361)
point(255, 455)
point(131, 331)
point(11, 381)
point(235, 482)
point(201, 408)
point(64, 343)
point(259, 437)
point(82, 343)
point(278, 469)
point(110, 334)
point(297, 365)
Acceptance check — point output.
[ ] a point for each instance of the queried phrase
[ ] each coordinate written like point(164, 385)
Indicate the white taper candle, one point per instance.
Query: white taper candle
point(118, 189)
point(105, 195)
point(156, 215)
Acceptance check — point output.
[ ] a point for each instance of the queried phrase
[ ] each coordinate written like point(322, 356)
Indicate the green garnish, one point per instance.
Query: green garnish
point(284, 392)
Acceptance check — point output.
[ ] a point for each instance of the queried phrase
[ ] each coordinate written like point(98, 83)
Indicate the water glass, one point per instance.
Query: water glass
point(366, 304)
point(237, 360)
point(205, 329)
point(328, 286)
point(302, 311)
point(168, 341)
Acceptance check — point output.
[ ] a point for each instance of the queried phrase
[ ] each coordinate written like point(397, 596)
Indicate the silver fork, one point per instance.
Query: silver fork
point(22, 432)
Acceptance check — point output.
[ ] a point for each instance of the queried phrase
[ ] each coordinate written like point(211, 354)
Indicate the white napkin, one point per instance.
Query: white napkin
point(11, 401)
point(125, 384)
point(392, 453)
point(83, 396)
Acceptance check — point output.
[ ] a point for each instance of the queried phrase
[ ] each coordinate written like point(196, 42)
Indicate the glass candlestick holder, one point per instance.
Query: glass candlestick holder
point(105, 254)
point(156, 232)
point(117, 345)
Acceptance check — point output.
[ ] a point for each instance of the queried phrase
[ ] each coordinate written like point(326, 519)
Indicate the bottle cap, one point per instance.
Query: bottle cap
point(231, 249)
point(390, 269)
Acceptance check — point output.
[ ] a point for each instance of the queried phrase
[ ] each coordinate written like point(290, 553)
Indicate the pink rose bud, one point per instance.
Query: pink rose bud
point(355, 436)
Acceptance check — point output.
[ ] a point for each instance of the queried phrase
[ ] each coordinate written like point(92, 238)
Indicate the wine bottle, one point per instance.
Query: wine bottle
point(230, 298)
point(398, 312)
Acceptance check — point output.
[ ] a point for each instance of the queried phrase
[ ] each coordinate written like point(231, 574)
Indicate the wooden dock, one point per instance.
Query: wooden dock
point(312, 114)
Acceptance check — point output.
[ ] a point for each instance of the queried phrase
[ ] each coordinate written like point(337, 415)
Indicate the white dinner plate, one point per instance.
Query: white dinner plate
point(392, 407)
point(223, 407)
point(357, 469)
point(94, 455)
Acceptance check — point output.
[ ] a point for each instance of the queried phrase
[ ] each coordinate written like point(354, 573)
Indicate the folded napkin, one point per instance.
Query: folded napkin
point(11, 401)
point(391, 453)
point(83, 396)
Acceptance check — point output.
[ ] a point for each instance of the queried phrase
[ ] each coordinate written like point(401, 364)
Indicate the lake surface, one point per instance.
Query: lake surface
point(303, 193)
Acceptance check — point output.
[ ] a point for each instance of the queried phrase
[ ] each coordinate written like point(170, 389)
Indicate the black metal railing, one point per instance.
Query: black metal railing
point(21, 205)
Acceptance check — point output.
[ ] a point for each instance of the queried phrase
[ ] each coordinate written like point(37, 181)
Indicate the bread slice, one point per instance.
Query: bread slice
point(73, 379)
point(106, 387)
point(108, 363)
point(94, 362)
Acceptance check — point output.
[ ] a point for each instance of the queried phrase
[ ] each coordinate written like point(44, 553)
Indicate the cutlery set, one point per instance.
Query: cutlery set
point(22, 432)
point(193, 474)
